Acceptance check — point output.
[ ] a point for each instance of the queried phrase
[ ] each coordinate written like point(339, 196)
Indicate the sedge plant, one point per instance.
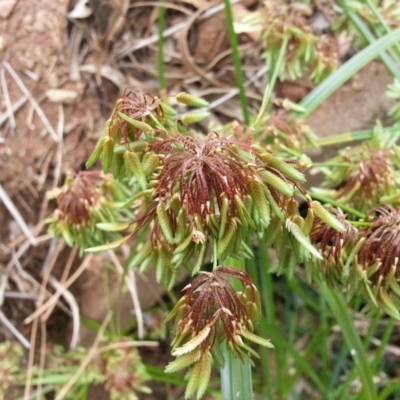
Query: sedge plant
point(179, 198)
point(192, 195)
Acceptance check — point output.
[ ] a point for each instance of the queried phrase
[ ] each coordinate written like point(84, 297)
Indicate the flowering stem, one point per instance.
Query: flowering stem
point(215, 254)
point(342, 315)
point(160, 55)
point(267, 99)
point(236, 381)
point(233, 41)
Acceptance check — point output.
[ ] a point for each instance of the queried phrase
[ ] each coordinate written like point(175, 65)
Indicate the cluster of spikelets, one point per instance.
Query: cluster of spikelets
point(117, 365)
point(83, 202)
point(286, 27)
point(363, 260)
point(195, 192)
point(364, 257)
point(365, 176)
point(211, 311)
point(191, 193)
point(11, 355)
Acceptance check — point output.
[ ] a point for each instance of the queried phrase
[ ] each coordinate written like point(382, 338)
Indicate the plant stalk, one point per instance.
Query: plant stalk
point(236, 378)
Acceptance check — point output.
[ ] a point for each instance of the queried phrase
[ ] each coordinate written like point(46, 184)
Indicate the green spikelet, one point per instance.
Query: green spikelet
point(245, 155)
point(279, 184)
point(142, 126)
point(163, 265)
point(199, 377)
point(213, 225)
point(276, 210)
point(151, 260)
point(108, 153)
point(227, 238)
point(168, 110)
point(182, 227)
point(190, 100)
point(244, 215)
point(183, 361)
point(284, 168)
point(256, 339)
point(132, 164)
point(117, 165)
point(184, 244)
point(200, 258)
point(137, 146)
point(137, 257)
point(260, 202)
point(150, 163)
point(302, 239)
point(192, 118)
point(164, 221)
point(321, 212)
point(386, 304)
point(223, 217)
point(98, 150)
point(308, 222)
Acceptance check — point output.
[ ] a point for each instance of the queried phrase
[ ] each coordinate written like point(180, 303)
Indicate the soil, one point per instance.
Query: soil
point(43, 139)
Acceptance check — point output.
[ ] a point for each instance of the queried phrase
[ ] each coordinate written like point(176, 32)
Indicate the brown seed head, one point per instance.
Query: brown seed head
point(78, 198)
point(330, 241)
point(382, 242)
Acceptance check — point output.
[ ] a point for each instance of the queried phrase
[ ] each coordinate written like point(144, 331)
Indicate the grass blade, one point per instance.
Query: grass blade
point(346, 71)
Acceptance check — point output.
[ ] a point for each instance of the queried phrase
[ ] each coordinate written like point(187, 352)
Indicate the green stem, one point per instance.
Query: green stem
point(352, 338)
point(271, 326)
point(160, 54)
point(236, 379)
point(236, 62)
point(267, 99)
point(345, 137)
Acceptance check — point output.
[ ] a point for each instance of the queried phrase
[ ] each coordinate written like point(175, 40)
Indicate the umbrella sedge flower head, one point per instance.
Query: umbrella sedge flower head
point(379, 258)
point(136, 105)
point(82, 202)
point(211, 311)
point(364, 175)
point(217, 188)
point(371, 176)
point(330, 241)
point(124, 372)
point(334, 246)
point(382, 241)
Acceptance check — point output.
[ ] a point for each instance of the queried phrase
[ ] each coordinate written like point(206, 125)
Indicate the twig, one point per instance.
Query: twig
point(15, 107)
point(234, 92)
point(131, 281)
point(133, 343)
point(54, 299)
point(17, 216)
point(73, 305)
point(131, 285)
point(91, 353)
point(34, 103)
point(168, 32)
point(48, 265)
point(7, 323)
point(59, 156)
point(7, 100)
